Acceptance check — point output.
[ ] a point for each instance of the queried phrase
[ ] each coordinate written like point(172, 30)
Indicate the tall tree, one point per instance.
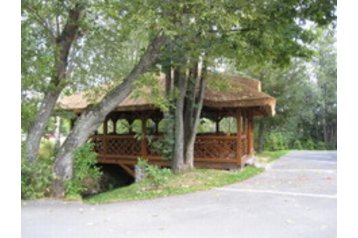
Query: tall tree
point(101, 50)
point(59, 37)
point(306, 96)
point(326, 75)
point(92, 117)
point(245, 32)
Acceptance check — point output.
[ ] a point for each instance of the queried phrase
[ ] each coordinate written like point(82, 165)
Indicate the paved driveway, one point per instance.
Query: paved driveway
point(295, 197)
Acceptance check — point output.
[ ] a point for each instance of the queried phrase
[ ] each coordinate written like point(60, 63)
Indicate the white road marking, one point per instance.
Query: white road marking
point(312, 160)
point(330, 171)
point(279, 192)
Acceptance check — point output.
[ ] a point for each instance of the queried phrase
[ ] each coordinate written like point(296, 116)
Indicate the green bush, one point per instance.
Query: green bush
point(164, 145)
point(85, 174)
point(321, 146)
point(275, 141)
point(154, 174)
point(36, 178)
point(309, 145)
point(47, 149)
point(297, 145)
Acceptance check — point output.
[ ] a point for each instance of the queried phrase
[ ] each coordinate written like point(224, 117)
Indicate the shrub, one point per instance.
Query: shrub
point(297, 145)
point(321, 146)
point(36, 178)
point(85, 174)
point(164, 145)
point(309, 145)
point(154, 174)
point(275, 141)
point(47, 149)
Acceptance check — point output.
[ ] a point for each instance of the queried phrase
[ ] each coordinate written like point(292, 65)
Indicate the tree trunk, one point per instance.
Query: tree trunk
point(91, 118)
point(63, 45)
point(36, 132)
point(261, 136)
point(57, 133)
point(194, 106)
point(178, 154)
point(187, 115)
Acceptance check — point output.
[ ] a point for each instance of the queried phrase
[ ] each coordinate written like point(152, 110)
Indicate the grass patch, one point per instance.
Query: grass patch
point(196, 180)
point(269, 156)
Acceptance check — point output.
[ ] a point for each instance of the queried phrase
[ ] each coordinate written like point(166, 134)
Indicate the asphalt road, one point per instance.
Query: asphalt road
point(295, 197)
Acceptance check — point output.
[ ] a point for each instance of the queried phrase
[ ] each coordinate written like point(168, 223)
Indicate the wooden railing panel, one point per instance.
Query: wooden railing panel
point(207, 148)
point(219, 148)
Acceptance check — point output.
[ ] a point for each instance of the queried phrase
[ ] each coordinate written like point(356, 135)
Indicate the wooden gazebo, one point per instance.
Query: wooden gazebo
point(241, 99)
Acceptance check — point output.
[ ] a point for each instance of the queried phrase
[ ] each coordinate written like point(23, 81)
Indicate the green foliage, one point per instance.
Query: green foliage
point(165, 145)
point(276, 141)
point(228, 125)
point(306, 106)
point(148, 87)
point(321, 146)
point(309, 144)
point(85, 174)
point(47, 149)
point(155, 175)
point(206, 126)
point(297, 145)
point(36, 178)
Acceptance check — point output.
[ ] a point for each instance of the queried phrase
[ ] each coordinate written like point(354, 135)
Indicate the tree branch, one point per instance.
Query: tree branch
point(40, 20)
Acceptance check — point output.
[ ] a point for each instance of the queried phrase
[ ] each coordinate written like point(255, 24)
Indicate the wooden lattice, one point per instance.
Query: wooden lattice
point(98, 144)
point(211, 147)
point(123, 146)
point(215, 148)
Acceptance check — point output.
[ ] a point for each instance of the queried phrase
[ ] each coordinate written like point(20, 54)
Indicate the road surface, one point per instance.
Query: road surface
point(295, 197)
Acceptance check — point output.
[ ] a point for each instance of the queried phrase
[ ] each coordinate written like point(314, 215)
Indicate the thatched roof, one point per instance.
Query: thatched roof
point(222, 91)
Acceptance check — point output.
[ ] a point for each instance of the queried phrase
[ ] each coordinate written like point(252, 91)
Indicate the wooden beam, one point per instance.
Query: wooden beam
point(156, 126)
point(105, 132)
point(250, 135)
point(144, 139)
point(238, 137)
point(114, 126)
point(127, 169)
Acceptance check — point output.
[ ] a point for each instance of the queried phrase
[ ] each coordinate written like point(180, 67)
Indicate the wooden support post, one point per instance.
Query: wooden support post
point(238, 139)
point(217, 125)
point(104, 137)
point(244, 147)
point(115, 126)
point(130, 131)
point(156, 126)
point(250, 135)
point(144, 139)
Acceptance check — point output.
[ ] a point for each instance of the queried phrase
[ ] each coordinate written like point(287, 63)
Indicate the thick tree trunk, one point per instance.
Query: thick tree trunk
point(178, 154)
point(194, 106)
point(187, 115)
point(91, 118)
point(261, 136)
point(62, 45)
point(38, 129)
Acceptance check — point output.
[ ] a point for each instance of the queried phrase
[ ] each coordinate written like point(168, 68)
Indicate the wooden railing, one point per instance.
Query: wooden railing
point(212, 148)
point(215, 147)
